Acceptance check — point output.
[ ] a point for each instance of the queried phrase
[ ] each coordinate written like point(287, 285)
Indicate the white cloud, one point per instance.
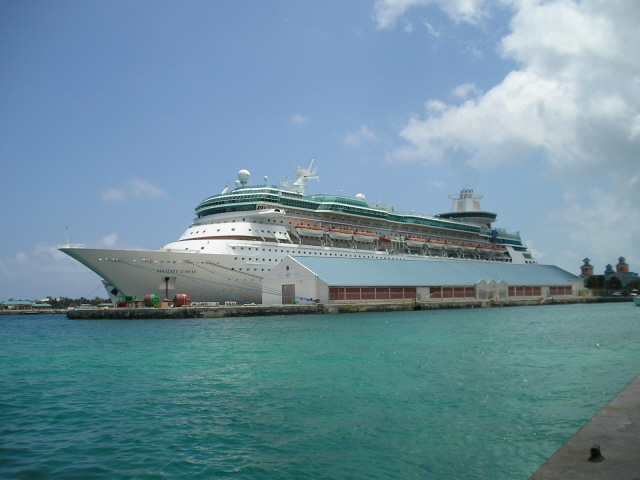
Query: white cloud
point(603, 223)
point(46, 271)
point(113, 195)
point(142, 188)
point(300, 119)
point(387, 12)
point(363, 136)
point(135, 188)
point(573, 102)
point(576, 96)
point(466, 90)
point(108, 241)
point(432, 30)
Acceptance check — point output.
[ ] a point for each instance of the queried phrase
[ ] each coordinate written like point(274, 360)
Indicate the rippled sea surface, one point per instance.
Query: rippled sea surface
point(467, 394)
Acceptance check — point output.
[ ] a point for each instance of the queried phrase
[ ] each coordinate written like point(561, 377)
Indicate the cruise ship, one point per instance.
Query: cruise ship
point(239, 235)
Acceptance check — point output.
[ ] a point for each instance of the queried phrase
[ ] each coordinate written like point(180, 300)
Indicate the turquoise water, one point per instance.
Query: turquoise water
point(456, 394)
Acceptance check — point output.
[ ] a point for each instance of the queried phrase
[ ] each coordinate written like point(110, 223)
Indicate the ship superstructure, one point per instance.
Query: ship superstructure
point(238, 236)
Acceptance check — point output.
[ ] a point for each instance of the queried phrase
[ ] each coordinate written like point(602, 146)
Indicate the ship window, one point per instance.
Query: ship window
point(201, 248)
point(233, 229)
point(232, 268)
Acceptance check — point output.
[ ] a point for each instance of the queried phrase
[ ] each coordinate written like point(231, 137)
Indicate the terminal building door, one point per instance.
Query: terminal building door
point(288, 294)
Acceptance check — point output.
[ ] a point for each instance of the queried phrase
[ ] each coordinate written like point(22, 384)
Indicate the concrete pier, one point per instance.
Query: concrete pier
point(616, 430)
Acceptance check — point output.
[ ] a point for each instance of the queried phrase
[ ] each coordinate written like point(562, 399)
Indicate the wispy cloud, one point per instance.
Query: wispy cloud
point(363, 136)
point(432, 30)
point(573, 103)
point(466, 90)
point(46, 271)
point(300, 119)
point(113, 195)
point(109, 241)
point(387, 12)
point(134, 189)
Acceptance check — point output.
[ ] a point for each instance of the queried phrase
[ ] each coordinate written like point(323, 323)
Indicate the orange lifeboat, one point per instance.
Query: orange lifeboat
point(340, 234)
point(415, 242)
point(467, 247)
point(484, 250)
point(309, 230)
point(364, 236)
point(435, 244)
point(451, 246)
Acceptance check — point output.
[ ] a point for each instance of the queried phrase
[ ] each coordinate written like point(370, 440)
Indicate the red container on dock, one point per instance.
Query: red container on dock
point(181, 300)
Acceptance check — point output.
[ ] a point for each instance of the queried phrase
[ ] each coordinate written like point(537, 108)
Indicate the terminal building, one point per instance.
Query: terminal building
point(339, 280)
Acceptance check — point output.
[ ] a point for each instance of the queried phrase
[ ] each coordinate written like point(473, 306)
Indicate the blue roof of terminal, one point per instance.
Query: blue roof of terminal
point(363, 271)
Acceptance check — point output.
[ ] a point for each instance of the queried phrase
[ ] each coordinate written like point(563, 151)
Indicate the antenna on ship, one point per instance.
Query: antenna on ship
point(304, 175)
point(226, 189)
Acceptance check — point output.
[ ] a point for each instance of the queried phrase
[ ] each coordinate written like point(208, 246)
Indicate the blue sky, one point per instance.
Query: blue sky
point(117, 118)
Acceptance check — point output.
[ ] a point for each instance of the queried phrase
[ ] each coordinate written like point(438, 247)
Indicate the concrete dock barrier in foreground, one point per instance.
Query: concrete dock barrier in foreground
point(616, 430)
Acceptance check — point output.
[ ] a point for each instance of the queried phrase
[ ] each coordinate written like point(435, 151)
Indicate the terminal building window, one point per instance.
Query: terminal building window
point(371, 293)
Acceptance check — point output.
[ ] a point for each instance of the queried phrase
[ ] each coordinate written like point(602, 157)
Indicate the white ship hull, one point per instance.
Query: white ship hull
point(207, 277)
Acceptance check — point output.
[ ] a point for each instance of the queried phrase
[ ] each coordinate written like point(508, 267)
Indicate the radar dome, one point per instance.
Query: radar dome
point(243, 176)
point(360, 197)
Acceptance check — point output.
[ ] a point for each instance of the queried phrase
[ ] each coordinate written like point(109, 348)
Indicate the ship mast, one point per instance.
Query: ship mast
point(304, 175)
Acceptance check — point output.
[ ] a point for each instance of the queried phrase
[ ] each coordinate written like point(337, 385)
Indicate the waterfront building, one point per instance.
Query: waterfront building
point(16, 305)
point(609, 272)
point(586, 270)
point(623, 273)
point(326, 280)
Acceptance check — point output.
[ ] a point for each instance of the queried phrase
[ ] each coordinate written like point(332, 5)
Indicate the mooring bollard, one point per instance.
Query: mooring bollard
point(596, 455)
